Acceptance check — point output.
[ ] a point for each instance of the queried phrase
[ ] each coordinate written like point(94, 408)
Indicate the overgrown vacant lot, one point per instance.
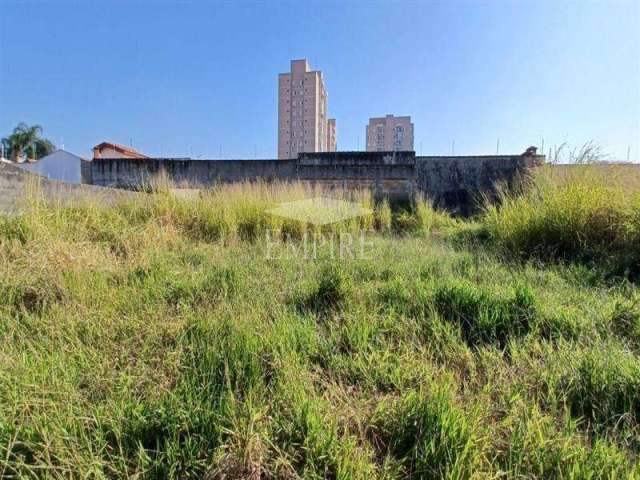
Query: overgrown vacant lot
point(161, 338)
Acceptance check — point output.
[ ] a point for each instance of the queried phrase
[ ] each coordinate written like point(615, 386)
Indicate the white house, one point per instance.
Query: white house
point(59, 165)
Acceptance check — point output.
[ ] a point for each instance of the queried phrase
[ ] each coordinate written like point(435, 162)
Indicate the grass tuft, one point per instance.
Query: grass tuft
point(333, 290)
point(484, 317)
point(429, 435)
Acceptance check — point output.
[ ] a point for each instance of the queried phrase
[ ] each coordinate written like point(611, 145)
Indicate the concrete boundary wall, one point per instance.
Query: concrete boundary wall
point(16, 184)
point(451, 182)
point(458, 183)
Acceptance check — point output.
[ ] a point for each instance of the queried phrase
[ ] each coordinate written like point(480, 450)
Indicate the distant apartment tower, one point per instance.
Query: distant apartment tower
point(389, 133)
point(303, 125)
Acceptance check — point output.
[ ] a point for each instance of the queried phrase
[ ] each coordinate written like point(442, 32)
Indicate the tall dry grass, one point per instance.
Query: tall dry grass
point(245, 210)
point(587, 213)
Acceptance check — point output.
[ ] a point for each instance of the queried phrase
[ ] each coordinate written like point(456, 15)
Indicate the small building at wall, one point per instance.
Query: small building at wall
point(58, 165)
point(115, 150)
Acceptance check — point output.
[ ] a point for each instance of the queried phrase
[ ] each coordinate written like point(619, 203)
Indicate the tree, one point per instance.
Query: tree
point(26, 141)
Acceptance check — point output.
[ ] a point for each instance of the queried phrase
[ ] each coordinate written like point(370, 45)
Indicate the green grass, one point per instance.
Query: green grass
point(158, 338)
point(589, 214)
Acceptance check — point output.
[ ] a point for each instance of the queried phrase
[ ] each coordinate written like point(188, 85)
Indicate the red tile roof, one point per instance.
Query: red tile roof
point(126, 151)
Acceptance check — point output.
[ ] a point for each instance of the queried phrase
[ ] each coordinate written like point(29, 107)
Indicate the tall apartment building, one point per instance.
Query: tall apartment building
point(389, 133)
point(303, 125)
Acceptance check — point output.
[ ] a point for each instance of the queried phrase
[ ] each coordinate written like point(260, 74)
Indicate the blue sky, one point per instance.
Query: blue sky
point(193, 78)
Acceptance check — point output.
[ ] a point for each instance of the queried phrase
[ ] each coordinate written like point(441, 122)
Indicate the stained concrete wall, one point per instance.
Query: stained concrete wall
point(134, 173)
point(17, 184)
point(390, 174)
point(457, 183)
point(451, 182)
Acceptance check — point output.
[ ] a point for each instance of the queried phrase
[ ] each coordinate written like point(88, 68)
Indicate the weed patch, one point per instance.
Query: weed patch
point(484, 317)
point(429, 435)
point(333, 289)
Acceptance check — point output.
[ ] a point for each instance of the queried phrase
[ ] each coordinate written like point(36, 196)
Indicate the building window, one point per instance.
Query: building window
point(398, 137)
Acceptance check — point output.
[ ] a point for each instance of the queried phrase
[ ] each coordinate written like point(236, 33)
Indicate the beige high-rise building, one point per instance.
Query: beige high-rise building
point(389, 134)
point(303, 125)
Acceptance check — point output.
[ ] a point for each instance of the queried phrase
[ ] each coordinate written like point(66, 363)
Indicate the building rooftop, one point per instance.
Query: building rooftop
point(127, 151)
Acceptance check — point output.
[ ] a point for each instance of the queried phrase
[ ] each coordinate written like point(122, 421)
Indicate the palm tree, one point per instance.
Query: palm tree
point(25, 141)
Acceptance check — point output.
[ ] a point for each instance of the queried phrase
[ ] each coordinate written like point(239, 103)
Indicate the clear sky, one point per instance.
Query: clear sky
point(190, 78)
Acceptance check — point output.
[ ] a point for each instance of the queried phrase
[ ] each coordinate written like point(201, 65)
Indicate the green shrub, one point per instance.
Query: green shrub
point(405, 222)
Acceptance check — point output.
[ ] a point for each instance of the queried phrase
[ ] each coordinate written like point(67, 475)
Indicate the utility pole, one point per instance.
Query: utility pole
point(498, 146)
point(453, 147)
point(628, 153)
